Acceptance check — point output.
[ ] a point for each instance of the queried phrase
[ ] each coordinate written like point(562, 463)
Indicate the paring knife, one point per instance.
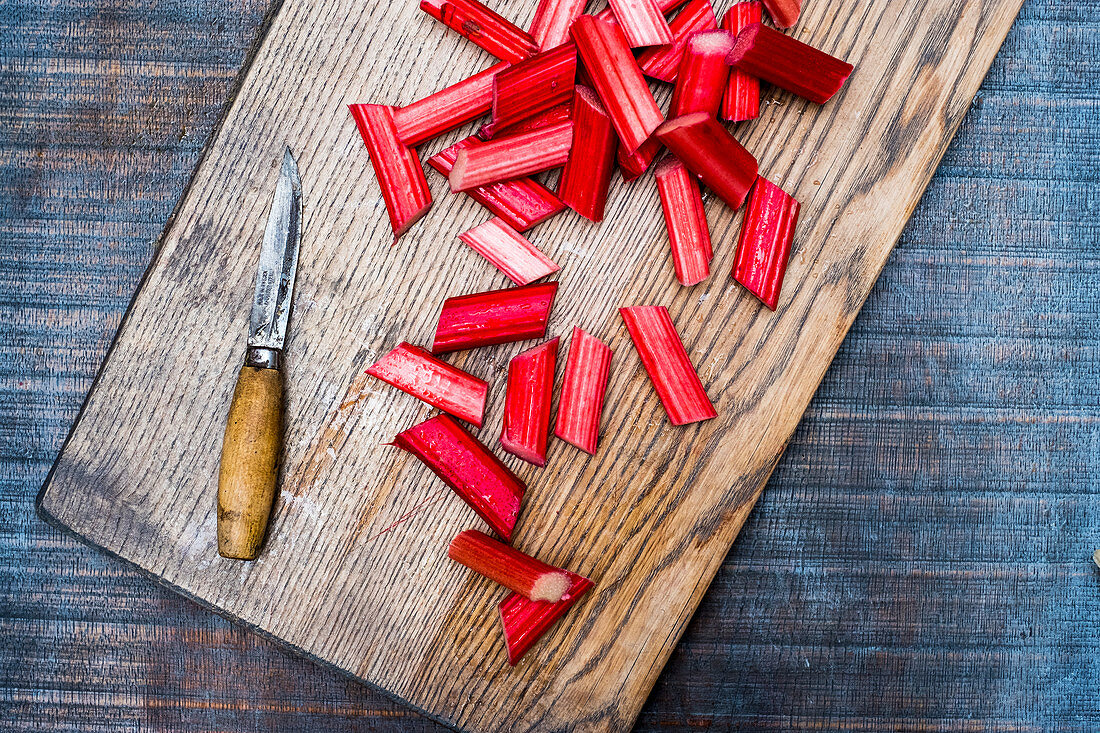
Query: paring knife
point(253, 435)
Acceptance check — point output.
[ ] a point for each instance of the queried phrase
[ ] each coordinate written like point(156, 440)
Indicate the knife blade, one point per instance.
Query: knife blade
point(278, 261)
point(251, 446)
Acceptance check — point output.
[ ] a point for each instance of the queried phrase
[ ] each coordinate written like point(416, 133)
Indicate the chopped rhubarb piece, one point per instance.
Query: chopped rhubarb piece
point(784, 13)
point(587, 174)
point(397, 167)
point(469, 468)
point(525, 621)
point(494, 317)
point(505, 158)
point(642, 22)
point(765, 243)
point(635, 164)
point(534, 86)
point(509, 251)
point(414, 371)
point(518, 572)
point(662, 62)
point(552, 21)
point(448, 108)
point(484, 27)
point(666, 361)
point(742, 98)
point(790, 64)
point(686, 221)
point(521, 203)
point(710, 152)
point(553, 116)
point(618, 80)
point(582, 391)
point(527, 402)
point(701, 81)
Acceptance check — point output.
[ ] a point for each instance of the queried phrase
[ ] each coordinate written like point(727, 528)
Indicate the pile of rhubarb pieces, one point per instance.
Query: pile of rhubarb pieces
point(572, 94)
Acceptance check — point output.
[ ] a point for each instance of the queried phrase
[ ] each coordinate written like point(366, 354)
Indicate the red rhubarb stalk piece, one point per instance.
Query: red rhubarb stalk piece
point(742, 98)
point(710, 152)
point(667, 6)
point(765, 243)
point(552, 21)
point(784, 13)
point(587, 174)
point(635, 164)
point(663, 62)
point(414, 371)
point(397, 167)
point(666, 361)
point(518, 572)
point(618, 80)
point(534, 86)
point(790, 64)
point(553, 116)
point(642, 22)
point(509, 251)
point(494, 317)
point(521, 203)
point(582, 391)
point(469, 468)
point(505, 158)
point(484, 27)
point(448, 108)
point(525, 621)
point(527, 402)
point(701, 81)
point(686, 221)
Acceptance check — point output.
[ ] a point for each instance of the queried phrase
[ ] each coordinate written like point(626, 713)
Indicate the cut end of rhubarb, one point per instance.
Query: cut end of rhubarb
point(523, 451)
point(550, 587)
point(635, 164)
point(589, 97)
point(744, 43)
point(677, 123)
point(525, 621)
point(784, 13)
point(516, 571)
point(667, 166)
point(713, 41)
point(457, 177)
point(411, 219)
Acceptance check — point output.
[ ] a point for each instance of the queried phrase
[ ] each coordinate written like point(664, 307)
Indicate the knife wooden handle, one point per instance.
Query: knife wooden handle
point(250, 462)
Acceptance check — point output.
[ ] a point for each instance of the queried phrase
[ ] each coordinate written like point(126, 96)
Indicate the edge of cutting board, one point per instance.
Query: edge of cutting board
point(283, 644)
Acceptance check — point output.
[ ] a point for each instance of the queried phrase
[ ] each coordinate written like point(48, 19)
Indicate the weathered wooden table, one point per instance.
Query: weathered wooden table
point(919, 561)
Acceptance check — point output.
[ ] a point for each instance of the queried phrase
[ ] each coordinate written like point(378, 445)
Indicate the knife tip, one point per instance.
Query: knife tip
point(290, 167)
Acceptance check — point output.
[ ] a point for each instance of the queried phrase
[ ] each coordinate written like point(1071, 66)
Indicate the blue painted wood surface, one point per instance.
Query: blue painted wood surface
point(918, 562)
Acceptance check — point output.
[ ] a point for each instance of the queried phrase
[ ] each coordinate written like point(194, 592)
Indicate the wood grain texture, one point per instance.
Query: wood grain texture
point(918, 561)
point(333, 578)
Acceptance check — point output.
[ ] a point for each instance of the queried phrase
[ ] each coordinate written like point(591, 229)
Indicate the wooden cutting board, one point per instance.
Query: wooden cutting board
point(355, 572)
